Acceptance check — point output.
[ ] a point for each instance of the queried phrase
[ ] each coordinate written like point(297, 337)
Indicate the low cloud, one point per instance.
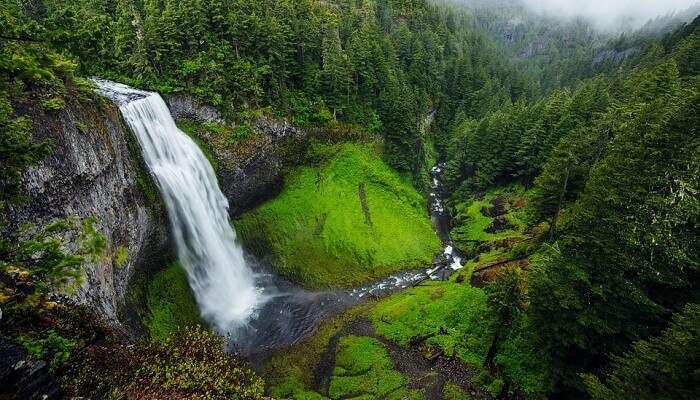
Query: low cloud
point(611, 14)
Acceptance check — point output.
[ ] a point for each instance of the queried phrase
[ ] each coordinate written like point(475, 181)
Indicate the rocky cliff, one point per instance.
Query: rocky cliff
point(95, 170)
point(251, 170)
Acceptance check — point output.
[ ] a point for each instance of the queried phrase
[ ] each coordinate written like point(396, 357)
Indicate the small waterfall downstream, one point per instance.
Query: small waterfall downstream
point(441, 219)
point(222, 282)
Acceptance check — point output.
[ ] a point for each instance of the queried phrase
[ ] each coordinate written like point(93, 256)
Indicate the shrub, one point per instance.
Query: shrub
point(53, 104)
point(189, 364)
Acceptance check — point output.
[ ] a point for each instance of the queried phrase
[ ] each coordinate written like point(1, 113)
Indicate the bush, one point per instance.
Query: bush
point(190, 364)
point(53, 104)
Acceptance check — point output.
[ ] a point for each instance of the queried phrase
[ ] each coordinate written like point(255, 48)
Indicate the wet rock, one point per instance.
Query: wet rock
point(186, 107)
point(23, 378)
point(94, 170)
point(256, 175)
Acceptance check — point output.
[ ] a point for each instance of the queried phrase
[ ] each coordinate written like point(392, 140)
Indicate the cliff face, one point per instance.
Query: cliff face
point(251, 171)
point(95, 170)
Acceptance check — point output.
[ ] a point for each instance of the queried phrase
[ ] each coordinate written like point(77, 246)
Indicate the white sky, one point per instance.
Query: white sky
point(608, 12)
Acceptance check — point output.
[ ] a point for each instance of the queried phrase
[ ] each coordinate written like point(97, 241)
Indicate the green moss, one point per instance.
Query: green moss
point(452, 391)
point(170, 303)
point(195, 131)
point(52, 346)
point(121, 256)
point(53, 104)
point(289, 372)
point(451, 316)
point(346, 221)
point(364, 370)
point(454, 318)
point(471, 225)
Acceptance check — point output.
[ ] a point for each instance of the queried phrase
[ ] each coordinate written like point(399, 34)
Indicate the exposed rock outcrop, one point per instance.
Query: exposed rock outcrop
point(614, 57)
point(95, 170)
point(251, 177)
point(186, 107)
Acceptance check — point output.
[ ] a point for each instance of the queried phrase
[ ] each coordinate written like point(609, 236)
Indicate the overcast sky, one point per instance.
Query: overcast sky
point(607, 13)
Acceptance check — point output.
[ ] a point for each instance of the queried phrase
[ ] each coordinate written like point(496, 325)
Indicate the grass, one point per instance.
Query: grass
point(343, 222)
point(364, 370)
point(454, 319)
point(170, 303)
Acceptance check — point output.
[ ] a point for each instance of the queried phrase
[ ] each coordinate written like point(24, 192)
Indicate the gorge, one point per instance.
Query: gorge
point(333, 200)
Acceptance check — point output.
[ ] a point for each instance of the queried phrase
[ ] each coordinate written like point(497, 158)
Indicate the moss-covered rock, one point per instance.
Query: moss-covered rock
point(342, 222)
point(171, 304)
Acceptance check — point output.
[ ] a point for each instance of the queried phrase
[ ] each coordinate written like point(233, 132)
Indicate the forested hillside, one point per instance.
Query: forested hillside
point(561, 161)
point(379, 65)
point(612, 167)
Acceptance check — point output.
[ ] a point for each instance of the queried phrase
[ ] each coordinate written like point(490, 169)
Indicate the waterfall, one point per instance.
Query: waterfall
point(222, 283)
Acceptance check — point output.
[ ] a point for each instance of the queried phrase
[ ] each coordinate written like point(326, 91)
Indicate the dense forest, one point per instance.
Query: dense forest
point(570, 168)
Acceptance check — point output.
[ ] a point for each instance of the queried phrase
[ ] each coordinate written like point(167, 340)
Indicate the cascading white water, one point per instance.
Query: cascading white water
point(223, 285)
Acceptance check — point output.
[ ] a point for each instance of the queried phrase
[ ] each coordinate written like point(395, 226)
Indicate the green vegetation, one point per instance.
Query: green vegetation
point(346, 221)
point(476, 231)
point(660, 368)
point(447, 319)
point(289, 372)
point(454, 392)
point(610, 163)
point(190, 364)
point(455, 320)
point(53, 347)
point(170, 303)
point(596, 175)
point(363, 369)
point(377, 66)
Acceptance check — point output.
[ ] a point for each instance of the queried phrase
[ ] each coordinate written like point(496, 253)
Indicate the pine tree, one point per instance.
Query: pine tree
point(665, 367)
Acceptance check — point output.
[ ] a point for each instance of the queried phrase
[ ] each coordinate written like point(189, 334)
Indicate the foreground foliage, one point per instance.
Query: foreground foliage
point(189, 364)
point(663, 367)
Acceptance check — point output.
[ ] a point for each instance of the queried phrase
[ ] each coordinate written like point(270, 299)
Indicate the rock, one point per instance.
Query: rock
point(22, 377)
point(250, 178)
point(186, 107)
point(613, 56)
point(498, 207)
point(94, 170)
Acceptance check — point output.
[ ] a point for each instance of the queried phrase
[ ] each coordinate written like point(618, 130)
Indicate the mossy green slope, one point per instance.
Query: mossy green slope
point(170, 303)
point(345, 221)
point(364, 370)
point(453, 319)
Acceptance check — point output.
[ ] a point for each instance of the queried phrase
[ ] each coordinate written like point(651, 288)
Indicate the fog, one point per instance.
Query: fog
point(611, 14)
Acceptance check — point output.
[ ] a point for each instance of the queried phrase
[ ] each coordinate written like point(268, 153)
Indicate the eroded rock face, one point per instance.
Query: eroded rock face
point(185, 107)
point(91, 172)
point(250, 178)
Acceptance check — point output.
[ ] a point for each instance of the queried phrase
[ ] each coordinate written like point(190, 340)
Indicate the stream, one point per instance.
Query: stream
point(238, 295)
point(292, 313)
